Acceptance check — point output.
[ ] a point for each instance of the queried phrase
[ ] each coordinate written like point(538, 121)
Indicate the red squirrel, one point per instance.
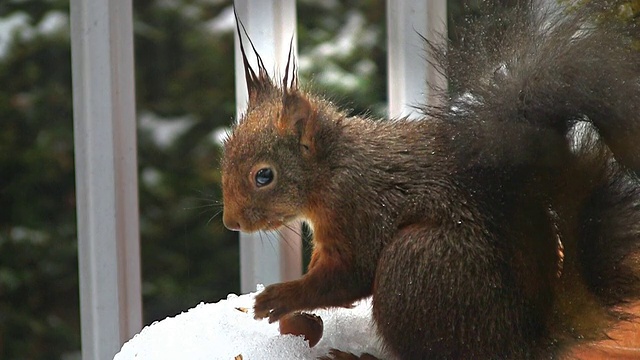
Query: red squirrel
point(504, 224)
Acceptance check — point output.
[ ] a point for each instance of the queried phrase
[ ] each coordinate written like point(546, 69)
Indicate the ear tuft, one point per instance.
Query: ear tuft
point(257, 84)
point(291, 63)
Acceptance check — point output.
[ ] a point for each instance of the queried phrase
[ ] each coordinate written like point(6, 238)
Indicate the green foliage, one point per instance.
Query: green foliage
point(621, 12)
point(38, 257)
point(343, 52)
point(184, 80)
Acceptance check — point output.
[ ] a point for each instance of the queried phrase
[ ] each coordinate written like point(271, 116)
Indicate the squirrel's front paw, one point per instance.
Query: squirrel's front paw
point(273, 302)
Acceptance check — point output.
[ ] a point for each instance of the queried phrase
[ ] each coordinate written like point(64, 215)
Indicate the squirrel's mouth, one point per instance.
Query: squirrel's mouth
point(271, 224)
point(278, 223)
point(249, 220)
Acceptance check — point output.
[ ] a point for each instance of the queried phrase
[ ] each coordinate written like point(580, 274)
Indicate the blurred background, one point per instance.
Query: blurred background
point(185, 100)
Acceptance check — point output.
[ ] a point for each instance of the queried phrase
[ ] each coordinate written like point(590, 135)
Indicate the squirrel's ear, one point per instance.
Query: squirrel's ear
point(299, 118)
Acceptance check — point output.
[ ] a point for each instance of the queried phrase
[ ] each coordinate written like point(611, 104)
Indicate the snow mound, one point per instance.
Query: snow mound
point(222, 331)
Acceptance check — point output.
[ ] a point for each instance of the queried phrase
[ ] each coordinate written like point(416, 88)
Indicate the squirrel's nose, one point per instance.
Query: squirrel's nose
point(230, 222)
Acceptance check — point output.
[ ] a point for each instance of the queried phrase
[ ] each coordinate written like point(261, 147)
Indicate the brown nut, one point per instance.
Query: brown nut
point(308, 325)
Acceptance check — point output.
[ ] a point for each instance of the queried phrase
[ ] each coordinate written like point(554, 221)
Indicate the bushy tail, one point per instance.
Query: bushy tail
point(552, 68)
point(528, 83)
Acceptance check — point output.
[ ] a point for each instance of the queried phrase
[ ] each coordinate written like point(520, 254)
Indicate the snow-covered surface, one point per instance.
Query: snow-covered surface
point(221, 331)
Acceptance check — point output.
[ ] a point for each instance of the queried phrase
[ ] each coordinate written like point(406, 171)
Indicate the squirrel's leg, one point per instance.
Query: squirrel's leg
point(449, 292)
point(332, 280)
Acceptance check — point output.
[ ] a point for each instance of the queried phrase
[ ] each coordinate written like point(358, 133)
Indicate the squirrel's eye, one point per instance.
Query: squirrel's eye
point(264, 177)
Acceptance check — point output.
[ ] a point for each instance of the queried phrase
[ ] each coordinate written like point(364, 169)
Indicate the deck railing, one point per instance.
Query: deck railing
point(105, 142)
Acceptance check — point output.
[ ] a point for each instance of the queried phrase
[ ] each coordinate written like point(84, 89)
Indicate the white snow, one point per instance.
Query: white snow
point(164, 131)
point(334, 75)
point(17, 26)
point(345, 42)
point(352, 36)
point(221, 331)
point(223, 23)
point(20, 234)
point(53, 22)
point(15, 23)
point(151, 176)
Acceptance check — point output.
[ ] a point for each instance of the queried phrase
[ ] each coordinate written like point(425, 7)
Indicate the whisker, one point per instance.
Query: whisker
point(270, 236)
point(214, 216)
point(263, 235)
point(205, 206)
point(207, 202)
point(294, 230)
point(208, 196)
point(285, 239)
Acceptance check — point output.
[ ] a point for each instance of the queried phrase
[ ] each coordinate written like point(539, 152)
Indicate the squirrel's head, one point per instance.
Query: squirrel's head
point(269, 153)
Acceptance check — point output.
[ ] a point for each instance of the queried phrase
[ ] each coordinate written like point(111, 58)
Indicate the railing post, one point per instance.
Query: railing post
point(409, 73)
point(267, 258)
point(106, 175)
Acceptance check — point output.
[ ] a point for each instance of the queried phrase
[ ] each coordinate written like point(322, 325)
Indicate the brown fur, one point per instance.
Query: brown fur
point(453, 223)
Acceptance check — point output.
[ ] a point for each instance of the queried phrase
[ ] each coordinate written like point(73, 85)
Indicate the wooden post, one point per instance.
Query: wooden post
point(106, 175)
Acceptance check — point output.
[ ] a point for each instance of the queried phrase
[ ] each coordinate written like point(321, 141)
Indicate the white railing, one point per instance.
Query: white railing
point(104, 125)
point(106, 174)
point(408, 73)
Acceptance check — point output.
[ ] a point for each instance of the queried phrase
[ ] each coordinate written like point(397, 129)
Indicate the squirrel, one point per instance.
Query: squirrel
point(504, 224)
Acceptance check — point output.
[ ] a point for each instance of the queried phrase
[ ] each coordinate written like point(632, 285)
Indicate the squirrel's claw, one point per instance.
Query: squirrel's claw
point(276, 314)
point(271, 303)
point(259, 315)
